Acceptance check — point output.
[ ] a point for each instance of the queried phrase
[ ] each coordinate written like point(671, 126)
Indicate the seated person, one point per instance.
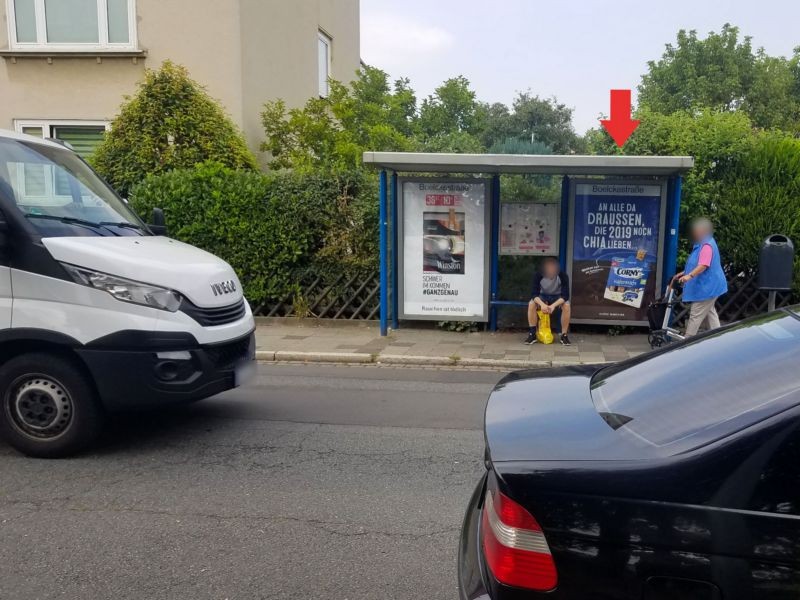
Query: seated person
point(550, 292)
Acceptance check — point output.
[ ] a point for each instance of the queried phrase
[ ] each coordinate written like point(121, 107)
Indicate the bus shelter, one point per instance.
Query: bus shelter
point(444, 224)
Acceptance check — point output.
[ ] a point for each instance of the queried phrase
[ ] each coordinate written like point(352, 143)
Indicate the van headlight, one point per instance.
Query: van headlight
point(126, 290)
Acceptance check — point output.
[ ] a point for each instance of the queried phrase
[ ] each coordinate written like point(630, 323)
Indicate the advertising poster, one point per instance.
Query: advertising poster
point(444, 250)
point(444, 242)
point(615, 250)
point(529, 228)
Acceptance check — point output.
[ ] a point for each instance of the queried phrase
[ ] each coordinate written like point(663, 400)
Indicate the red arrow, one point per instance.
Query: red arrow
point(620, 126)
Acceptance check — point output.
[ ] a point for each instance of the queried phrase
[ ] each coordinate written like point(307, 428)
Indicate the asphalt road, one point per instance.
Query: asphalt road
point(342, 483)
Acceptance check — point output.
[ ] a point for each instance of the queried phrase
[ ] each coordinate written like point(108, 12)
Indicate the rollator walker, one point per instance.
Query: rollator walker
point(659, 315)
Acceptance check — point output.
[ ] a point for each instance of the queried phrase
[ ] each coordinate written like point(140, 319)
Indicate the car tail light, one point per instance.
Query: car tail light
point(514, 545)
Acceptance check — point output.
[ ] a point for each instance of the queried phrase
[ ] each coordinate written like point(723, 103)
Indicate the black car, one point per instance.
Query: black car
point(674, 475)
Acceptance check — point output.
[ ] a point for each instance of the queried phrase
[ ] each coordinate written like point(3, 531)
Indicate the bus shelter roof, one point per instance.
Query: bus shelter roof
point(551, 164)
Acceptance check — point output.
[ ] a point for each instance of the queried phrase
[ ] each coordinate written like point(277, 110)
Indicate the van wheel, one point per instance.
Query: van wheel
point(49, 406)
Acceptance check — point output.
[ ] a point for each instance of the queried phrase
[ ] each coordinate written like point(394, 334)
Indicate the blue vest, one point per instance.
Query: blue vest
point(711, 283)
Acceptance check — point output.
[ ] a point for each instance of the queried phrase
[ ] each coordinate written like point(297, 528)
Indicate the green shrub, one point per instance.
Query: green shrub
point(760, 196)
point(273, 229)
point(170, 123)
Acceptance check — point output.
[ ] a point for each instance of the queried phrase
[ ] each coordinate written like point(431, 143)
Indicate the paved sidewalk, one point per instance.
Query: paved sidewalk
point(308, 341)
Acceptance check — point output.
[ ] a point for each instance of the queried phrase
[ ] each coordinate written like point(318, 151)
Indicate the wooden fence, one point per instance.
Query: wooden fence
point(743, 299)
point(356, 297)
point(348, 296)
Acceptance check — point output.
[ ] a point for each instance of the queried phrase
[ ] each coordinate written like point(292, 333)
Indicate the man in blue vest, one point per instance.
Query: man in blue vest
point(703, 278)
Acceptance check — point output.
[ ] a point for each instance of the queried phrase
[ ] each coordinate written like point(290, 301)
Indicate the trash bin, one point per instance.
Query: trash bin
point(776, 263)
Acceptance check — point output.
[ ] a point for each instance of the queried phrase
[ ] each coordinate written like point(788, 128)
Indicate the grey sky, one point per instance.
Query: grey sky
point(576, 50)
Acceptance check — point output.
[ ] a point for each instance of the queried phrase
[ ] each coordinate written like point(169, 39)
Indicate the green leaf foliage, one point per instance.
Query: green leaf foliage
point(723, 72)
point(332, 133)
point(452, 108)
point(370, 114)
point(714, 138)
point(273, 229)
point(170, 123)
point(760, 196)
point(532, 119)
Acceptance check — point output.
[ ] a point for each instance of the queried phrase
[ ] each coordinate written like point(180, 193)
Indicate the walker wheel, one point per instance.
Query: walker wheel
point(657, 340)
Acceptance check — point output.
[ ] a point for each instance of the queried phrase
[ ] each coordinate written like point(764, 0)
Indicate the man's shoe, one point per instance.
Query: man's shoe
point(531, 339)
point(565, 340)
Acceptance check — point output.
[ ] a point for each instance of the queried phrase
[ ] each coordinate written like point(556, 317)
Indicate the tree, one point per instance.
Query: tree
point(715, 138)
point(333, 133)
point(451, 119)
point(170, 123)
point(545, 120)
point(370, 114)
point(514, 145)
point(498, 126)
point(532, 119)
point(724, 73)
point(452, 107)
point(773, 100)
point(458, 142)
point(715, 72)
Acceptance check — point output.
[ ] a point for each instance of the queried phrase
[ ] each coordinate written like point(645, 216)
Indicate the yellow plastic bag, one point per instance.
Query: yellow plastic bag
point(543, 333)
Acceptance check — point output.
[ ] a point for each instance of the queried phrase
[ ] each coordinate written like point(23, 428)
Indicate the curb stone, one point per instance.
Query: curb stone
point(401, 359)
point(512, 363)
point(322, 357)
point(422, 361)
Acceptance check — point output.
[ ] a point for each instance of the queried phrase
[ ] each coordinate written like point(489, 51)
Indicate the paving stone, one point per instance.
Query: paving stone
point(431, 348)
point(590, 347)
point(563, 361)
point(592, 357)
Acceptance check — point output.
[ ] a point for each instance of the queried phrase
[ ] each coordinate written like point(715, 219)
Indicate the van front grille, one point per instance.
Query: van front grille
point(212, 317)
point(226, 355)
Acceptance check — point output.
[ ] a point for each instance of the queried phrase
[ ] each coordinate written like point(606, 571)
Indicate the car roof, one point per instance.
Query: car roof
point(31, 139)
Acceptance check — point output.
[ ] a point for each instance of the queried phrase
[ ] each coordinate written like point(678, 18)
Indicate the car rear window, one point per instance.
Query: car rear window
point(726, 380)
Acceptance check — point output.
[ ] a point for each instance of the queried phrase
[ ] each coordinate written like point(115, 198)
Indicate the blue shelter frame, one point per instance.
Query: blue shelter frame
point(665, 168)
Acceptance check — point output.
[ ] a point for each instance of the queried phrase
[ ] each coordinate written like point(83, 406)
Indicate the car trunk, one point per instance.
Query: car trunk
point(549, 416)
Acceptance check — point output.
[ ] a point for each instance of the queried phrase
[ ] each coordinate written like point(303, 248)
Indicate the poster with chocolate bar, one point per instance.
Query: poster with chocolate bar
point(615, 250)
point(444, 252)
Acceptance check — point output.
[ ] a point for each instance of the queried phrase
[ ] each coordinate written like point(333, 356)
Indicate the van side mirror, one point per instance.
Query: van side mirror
point(158, 224)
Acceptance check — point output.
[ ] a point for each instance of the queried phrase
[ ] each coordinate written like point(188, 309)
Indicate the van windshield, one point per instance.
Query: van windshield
point(60, 195)
point(708, 387)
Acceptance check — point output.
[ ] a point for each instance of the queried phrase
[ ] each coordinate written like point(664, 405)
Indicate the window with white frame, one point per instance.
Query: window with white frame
point(41, 183)
point(83, 136)
point(72, 25)
point(324, 49)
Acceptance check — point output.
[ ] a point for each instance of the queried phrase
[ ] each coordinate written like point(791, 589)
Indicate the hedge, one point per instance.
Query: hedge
point(274, 229)
point(759, 196)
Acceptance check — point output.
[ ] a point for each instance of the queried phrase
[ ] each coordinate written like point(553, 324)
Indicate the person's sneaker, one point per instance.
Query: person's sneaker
point(531, 339)
point(565, 340)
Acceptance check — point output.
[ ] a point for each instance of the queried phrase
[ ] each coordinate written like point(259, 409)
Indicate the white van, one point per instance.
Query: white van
point(98, 314)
